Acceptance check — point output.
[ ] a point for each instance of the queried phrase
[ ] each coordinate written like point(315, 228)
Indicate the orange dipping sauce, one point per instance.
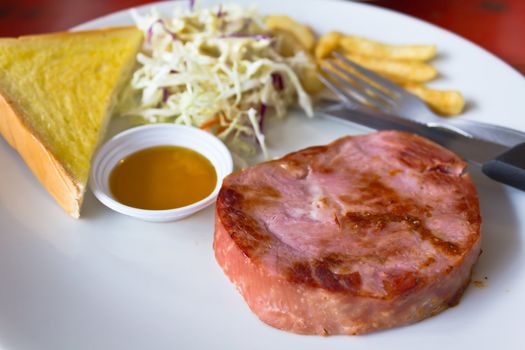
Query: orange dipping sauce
point(162, 177)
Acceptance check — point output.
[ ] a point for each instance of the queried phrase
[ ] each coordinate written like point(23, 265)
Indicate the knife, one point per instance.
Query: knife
point(500, 163)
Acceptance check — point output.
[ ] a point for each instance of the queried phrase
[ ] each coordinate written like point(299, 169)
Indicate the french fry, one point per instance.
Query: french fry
point(309, 80)
point(398, 71)
point(288, 44)
point(444, 102)
point(326, 44)
point(365, 47)
point(301, 32)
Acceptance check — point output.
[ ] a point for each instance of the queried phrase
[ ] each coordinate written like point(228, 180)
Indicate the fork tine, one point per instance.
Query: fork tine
point(360, 96)
point(339, 92)
point(372, 76)
point(361, 82)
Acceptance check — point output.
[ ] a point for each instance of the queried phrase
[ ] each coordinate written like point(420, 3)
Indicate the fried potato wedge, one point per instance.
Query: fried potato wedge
point(444, 102)
point(302, 33)
point(399, 71)
point(365, 47)
point(326, 44)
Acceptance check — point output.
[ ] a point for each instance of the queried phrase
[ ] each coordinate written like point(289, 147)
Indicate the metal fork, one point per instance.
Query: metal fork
point(358, 93)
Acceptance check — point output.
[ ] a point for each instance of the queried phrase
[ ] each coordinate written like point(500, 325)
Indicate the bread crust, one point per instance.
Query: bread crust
point(48, 170)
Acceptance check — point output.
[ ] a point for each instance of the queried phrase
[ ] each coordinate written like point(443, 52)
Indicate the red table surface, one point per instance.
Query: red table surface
point(497, 25)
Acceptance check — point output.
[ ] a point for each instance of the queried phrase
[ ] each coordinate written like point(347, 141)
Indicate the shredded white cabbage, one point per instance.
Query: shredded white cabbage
point(217, 69)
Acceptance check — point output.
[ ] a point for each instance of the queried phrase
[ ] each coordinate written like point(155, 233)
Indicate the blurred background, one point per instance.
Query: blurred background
point(496, 25)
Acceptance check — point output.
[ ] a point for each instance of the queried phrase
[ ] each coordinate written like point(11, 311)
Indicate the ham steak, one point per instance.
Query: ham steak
point(366, 233)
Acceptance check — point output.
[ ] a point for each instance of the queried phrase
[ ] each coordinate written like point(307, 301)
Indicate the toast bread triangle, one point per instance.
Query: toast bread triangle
point(57, 92)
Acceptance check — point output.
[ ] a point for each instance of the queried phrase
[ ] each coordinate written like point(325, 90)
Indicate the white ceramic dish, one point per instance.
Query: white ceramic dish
point(142, 137)
point(107, 281)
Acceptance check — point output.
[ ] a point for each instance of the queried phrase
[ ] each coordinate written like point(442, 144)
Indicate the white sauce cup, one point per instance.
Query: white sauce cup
point(142, 137)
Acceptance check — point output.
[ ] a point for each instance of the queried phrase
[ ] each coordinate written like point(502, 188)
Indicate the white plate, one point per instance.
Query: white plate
point(108, 281)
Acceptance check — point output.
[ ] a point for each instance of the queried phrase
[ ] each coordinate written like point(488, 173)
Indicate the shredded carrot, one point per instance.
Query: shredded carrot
point(220, 129)
point(210, 123)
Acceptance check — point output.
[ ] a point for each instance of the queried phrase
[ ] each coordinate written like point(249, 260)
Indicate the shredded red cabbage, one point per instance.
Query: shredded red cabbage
point(161, 22)
point(262, 113)
point(277, 81)
point(150, 32)
point(165, 94)
point(173, 35)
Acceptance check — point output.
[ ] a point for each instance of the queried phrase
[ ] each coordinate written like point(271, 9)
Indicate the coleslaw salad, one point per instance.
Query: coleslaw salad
point(217, 69)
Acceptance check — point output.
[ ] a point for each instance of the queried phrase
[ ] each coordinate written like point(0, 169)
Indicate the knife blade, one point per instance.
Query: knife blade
point(476, 151)
point(500, 163)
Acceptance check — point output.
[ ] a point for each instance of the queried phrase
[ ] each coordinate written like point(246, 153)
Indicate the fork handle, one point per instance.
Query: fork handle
point(508, 168)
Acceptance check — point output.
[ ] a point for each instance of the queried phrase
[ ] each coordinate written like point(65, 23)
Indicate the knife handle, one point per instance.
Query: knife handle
point(508, 168)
